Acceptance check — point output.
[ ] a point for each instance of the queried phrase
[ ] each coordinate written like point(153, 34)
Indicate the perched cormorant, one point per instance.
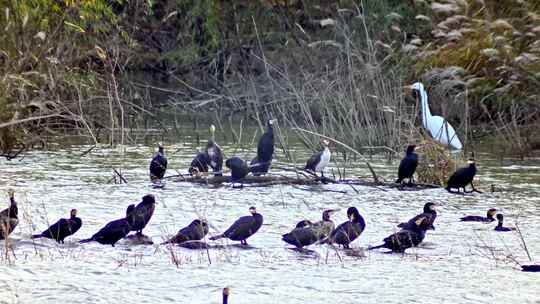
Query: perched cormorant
point(113, 231)
point(318, 161)
point(422, 221)
point(199, 164)
point(9, 217)
point(402, 240)
point(306, 233)
point(408, 165)
point(265, 150)
point(158, 165)
point(140, 216)
point(243, 228)
point(476, 218)
point(226, 292)
point(195, 231)
point(462, 177)
point(348, 231)
point(239, 168)
point(500, 227)
point(214, 154)
point(62, 228)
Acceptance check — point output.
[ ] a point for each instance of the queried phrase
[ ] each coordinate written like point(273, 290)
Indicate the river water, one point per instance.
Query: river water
point(457, 263)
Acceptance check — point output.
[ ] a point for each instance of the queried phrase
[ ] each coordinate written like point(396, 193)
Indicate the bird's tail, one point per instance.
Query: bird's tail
point(86, 241)
point(217, 237)
point(37, 236)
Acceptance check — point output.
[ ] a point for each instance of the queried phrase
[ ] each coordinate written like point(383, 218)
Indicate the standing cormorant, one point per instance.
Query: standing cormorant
point(62, 228)
point(195, 231)
point(476, 218)
point(9, 217)
point(425, 219)
point(500, 227)
point(226, 292)
point(113, 231)
point(318, 161)
point(239, 168)
point(243, 228)
point(265, 150)
point(140, 216)
point(214, 154)
point(408, 165)
point(462, 177)
point(158, 165)
point(348, 231)
point(306, 233)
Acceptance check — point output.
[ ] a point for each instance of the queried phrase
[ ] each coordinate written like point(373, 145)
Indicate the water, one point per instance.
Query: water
point(457, 263)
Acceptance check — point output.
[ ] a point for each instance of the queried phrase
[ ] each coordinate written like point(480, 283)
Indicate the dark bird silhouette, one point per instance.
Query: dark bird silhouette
point(243, 228)
point(500, 227)
point(226, 292)
point(62, 228)
point(199, 164)
point(140, 216)
point(265, 150)
point(239, 168)
point(402, 240)
point(195, 231)
point(408, 165)
point(348, 231)
point(530, 268)
point(9, 217)
point(158, 165)
point(318, 161)
point(113, 231)
point(477, 218)
point(306, 233)
point(462, 177)
point(425, 219)
point(214, 153)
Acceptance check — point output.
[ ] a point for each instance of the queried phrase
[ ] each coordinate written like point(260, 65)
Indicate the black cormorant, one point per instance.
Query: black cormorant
point(113, 231)
point(158, 165)
point(140, 216)
point(9, 217)
point(239, 168)
point(477, 218)
point(243, 228)
point(408, 165)
point(226, 292)
point(306, 233)
point(402, 240)
point(318, 161)
point(195, 231)
point(265, 150)
point(348, 231)
point(500, 227)
point(422, 221)
point(199, 164)
point(462, 177)
point(62, 228)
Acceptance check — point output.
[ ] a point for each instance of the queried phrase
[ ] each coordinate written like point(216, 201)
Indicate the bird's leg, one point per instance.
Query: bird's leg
point(474, 189)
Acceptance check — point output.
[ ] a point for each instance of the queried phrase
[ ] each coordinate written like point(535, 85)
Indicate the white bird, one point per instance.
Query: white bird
point(439, 128)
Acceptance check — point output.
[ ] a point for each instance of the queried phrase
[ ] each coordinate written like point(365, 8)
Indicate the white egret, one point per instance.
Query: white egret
point(439, 128)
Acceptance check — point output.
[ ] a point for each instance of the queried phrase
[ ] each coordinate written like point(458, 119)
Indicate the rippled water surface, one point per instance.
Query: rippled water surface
point(457, 263)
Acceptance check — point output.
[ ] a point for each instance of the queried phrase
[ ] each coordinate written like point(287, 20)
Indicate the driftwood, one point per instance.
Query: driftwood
point(273, 179)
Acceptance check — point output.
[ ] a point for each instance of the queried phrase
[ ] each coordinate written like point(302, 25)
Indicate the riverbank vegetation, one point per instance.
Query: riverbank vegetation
point(99, 69)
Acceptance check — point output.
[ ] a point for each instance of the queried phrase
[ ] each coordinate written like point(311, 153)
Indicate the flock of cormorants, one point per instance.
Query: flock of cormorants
point(305, 232)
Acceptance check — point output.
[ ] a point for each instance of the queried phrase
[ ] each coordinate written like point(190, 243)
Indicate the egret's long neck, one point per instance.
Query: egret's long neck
point(426, 113)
